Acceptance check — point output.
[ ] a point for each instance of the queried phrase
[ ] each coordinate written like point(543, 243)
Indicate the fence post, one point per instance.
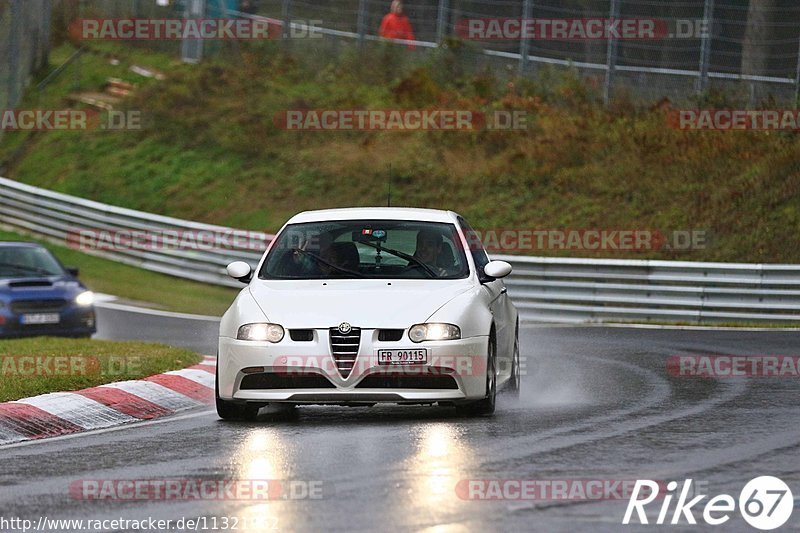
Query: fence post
point(797, 77)
point(611, 55)
point(286, 9)
point(192, 49)
point(705, 47)
point(524, 43)
point(441, 22)
point(362, 21)
point(13, 55)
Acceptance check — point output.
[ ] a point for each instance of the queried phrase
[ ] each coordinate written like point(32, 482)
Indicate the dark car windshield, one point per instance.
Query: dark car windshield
point(379, 249)
point(27, 261)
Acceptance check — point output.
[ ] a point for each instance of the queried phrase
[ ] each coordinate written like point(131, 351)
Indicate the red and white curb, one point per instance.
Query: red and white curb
point(62, 413)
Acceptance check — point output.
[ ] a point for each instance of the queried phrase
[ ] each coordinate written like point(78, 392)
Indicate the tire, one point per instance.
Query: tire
point(515, 382)
point(227, 410)
point(486, 405)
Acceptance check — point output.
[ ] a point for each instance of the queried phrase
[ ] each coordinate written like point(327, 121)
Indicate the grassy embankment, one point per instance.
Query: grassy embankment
point(211, 152)
point(39, 365)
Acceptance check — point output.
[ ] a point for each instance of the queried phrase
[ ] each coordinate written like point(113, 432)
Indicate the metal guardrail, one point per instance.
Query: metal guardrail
point(566, 289)
point(61, 219)
point(543, 288)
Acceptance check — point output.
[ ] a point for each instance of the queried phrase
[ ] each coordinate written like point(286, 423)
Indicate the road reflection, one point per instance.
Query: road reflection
point(442, 458)
point(264, 455)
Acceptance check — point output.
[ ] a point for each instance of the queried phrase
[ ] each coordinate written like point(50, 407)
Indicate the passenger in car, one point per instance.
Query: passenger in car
point(431, 251)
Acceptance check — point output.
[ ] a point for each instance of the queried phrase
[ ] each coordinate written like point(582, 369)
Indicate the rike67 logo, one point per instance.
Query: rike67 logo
point(765, 503)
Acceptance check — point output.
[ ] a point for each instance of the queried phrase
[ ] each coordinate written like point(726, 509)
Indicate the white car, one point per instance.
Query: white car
point(365, 305)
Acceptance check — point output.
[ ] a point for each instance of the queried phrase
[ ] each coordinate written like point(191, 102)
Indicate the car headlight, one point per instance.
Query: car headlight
point(85, 298)
point(260, 332)
point(434, 332)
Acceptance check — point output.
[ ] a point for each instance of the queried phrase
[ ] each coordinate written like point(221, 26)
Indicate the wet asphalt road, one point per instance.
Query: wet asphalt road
point(597, 403)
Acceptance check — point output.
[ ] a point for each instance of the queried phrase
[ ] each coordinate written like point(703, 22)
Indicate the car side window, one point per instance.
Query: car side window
point(475, 246)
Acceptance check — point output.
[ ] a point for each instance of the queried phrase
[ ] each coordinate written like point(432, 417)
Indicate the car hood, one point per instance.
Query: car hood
point(366, 304)
point(39, 288)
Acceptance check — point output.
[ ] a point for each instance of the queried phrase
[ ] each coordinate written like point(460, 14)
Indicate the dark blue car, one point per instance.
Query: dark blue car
point(39, 296)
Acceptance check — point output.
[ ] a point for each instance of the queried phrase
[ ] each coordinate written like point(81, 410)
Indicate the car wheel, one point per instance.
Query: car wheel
point(486, 405)
point(515, 383)
point(226, 409)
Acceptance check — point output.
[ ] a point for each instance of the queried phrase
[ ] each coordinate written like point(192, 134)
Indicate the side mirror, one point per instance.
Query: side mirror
point(73, 271)
point(241, 271)
point(497, 269)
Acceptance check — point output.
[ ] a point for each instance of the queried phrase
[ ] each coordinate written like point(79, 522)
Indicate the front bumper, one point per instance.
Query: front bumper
point(74, 321)
point(455, 371)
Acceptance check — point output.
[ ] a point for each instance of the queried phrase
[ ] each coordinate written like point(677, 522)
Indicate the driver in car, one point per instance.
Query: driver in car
point(339, 255)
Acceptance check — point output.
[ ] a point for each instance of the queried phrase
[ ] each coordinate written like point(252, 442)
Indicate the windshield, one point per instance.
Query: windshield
point(380, 249)
point(26, 261)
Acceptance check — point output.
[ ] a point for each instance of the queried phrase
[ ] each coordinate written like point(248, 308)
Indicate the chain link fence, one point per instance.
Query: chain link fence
point(747, 47)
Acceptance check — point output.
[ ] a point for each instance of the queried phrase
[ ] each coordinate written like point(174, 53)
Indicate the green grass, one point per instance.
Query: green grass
point(210, 151)
point(74, 364)
point(164, 292)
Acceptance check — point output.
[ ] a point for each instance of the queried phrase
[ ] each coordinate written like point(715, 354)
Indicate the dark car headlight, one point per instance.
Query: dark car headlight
point(434, 332)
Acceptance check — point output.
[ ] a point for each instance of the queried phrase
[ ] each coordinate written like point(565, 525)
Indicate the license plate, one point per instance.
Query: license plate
point(40, 318)
point(403, 357)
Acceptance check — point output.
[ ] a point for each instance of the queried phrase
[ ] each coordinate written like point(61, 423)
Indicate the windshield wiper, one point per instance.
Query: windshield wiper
point(23, 268)
point(428, 270)
point(324, 262)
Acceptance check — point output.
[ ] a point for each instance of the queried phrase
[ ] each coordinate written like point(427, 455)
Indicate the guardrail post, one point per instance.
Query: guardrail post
point(441, 22)
point(286, 10)
point(705, 47)
point(362, 21)
point(525, 44)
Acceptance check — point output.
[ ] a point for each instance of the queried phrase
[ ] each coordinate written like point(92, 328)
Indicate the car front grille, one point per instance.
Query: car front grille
point(344, 348)
point(428, 379)
point(267, 381)
point(37, 306)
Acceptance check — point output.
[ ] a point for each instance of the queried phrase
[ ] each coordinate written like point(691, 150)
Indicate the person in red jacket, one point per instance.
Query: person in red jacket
point(395, 24)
